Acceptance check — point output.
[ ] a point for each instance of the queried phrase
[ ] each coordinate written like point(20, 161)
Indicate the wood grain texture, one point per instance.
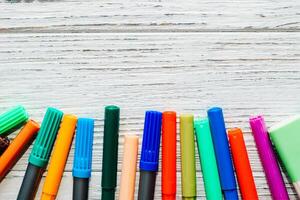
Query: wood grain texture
point(178, 55)
point(245, 73)
point(150, 16)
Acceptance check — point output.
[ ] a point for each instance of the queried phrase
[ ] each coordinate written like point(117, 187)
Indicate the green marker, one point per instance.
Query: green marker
point(110, 152)
point(208, 160)
point(40, 154)
point(286, 138)
point(12, 120)
point(188, 164)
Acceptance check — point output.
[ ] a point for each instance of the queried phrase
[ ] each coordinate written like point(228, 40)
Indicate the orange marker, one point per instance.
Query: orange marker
point(59, 157)
point(127, 185)
point(18, 147)
point(242, 164)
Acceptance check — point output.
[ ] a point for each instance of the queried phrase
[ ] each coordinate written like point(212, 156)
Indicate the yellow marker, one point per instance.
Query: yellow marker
point(59, 157)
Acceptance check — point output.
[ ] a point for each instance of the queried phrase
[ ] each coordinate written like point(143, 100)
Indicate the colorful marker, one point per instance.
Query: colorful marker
point(168, 186)
point(268, 158)
point(188, 164)
point(18, 147)
point(127, 185)
point(149, 155)
point(221, 146)
point(59, 157)
point(12, 120)
point(110, 152)
point(208, 160)
point(40, 154)
point(286, 139)
point(82, 164)
point(242, 164)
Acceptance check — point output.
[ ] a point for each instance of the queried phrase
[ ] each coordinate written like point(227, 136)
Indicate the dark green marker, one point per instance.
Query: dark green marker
point(110, 152)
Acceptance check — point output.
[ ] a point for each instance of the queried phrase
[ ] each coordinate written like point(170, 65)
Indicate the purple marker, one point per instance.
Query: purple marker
point(268, 158)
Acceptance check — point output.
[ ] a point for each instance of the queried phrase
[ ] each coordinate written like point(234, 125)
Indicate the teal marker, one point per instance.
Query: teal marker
point(208, 160)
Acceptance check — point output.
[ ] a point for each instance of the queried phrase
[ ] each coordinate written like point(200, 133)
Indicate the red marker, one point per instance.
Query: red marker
point(169, 155)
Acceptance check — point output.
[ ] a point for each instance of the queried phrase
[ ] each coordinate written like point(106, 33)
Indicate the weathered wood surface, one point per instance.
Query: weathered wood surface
point(179, 55)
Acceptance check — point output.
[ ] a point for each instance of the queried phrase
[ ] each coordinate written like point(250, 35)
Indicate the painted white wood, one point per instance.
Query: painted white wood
point(245, 73)
point(150, 16)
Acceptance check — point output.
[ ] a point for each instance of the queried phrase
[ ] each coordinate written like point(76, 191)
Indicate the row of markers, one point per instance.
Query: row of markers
point(216, 146)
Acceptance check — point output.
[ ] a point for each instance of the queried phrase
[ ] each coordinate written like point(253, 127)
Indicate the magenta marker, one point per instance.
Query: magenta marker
point(268, 158)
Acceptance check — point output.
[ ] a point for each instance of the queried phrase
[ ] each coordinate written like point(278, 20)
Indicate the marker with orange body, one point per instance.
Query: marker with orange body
point(127, 185)
point(18, 147)
point(59, 157)
point(168, 186)
point(242, 164)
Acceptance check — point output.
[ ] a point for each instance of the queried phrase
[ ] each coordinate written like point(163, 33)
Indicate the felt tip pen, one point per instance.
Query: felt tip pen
point(40, 154)
point(242, 164)
point(59, 157)
point(17, 147)
point(82, 165)
point(110, 152)
point(149, 155)
point(169, 155)
point(268, 158)
point(12, 119)
point(221, 146)
point(188, 163)
point(208, 160)
point(127, 183)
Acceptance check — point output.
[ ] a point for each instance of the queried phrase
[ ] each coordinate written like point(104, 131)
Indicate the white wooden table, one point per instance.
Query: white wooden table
point(186, 56)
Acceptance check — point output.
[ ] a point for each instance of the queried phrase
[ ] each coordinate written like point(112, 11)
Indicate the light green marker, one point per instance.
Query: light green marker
point(208, 160)
point(286, 138)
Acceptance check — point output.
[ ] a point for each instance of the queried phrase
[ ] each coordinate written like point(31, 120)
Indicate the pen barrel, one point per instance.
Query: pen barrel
point(59, 157)
point(221, 146)
point(110, 152)
point(12, 120)
point(18, 147)
point(169, 155)
point(188, 164)
point(80, 188)
point(31, 181)
point(268, 158)
point(242, 164)
point(147, 185)
point(208, 160)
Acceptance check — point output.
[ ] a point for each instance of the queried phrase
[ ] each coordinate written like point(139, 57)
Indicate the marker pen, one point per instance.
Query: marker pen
point(127, 183)
point(221, 146)
point(110, 152)
point(208, 160)
point(18, 147)
point(268, 158)
point(59, 157)
point(188, 163)
point(40, 154)
point(242, 164)
point(149, 155)
point(12, 120)
point(168, 186)
point(82, 165)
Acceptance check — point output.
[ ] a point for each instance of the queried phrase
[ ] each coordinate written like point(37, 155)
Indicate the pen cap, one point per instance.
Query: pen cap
point(17, 147)
point(45, 139)
point(110, 149)
point(12, 119)
point(83, 148)
point(221, 146)
point(151, 141)
point(169, 155)
point(4, 142)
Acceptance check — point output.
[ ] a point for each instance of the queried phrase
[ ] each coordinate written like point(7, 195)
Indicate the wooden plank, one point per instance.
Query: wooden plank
point(245, 73)
point(150, 16)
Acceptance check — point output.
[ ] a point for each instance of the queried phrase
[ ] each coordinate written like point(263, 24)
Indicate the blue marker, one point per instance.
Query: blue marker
point(221, 146)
